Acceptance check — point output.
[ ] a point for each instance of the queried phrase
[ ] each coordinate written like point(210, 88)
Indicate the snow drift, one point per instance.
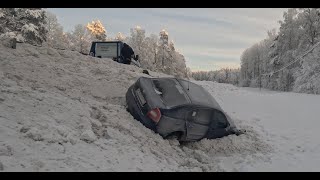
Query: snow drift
point(64, 111)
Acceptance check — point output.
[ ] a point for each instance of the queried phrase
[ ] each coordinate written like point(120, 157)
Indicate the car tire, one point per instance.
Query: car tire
point(174, 135)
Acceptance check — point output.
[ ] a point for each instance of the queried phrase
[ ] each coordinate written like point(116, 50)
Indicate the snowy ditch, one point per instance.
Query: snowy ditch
point(63, 111)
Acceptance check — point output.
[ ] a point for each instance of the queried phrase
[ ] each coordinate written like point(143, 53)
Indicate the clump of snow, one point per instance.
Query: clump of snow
point(29, 28)
point(34, 13)
point(64, 111)
point(8, 34)
point(18, 36)
point(5, 150)
point(34, 134)
point(88, 136)
point(137, 28)
point(164, 32)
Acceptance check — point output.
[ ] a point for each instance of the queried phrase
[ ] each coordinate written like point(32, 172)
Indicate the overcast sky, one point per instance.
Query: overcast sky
point(208, 38)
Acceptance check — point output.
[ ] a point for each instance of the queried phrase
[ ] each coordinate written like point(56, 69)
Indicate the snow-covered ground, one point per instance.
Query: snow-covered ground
point(288, 122)
point(63, 111)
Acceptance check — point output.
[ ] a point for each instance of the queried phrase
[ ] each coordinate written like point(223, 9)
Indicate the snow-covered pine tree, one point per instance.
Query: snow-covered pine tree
point(25, 24)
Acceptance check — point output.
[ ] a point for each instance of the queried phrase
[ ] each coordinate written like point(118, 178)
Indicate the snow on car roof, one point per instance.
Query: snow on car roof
point(185, 93)
point(198, 95)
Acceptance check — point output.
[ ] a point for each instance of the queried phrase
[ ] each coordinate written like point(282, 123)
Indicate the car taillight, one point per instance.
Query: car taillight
point(154, 114)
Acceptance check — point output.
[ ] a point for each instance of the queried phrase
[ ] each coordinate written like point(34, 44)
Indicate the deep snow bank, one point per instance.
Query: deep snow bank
point(63, 111)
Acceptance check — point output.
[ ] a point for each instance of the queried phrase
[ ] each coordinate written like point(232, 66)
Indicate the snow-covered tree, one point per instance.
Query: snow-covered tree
point(276, 62)
point(164, 37)
point(120, 37)
point(152, 50)
point(189, 72)
point(137, 41)
point(81, 39)
point(165, 57)
point(168, 59)
point(308, 77)
point(176, 62)
point(26, 24)
point(224, 75)
point(310, 22)
point(56, 37)
point(98, 30)
point(156, 53)
point(180, 67)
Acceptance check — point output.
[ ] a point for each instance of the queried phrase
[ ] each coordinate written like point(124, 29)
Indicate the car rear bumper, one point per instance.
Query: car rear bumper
point(136, 112)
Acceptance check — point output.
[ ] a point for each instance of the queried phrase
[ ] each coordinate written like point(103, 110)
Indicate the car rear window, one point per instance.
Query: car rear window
point(170, 91)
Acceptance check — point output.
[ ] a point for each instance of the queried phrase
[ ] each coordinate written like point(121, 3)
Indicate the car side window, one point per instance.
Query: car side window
point(219, 120)
point(200, 116)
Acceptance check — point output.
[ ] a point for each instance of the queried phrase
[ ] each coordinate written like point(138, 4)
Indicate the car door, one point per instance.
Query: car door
point(197, 123)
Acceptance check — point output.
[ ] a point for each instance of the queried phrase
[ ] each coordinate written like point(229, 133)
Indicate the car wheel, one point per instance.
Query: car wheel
point(174, 135)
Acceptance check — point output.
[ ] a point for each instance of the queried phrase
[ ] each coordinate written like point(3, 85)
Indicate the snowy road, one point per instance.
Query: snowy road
point(288, 121)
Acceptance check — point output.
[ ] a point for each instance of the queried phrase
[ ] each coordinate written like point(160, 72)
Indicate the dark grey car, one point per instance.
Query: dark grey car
point(171, 106)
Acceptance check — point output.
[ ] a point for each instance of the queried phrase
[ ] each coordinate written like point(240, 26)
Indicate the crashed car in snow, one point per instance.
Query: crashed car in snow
point(176, 107)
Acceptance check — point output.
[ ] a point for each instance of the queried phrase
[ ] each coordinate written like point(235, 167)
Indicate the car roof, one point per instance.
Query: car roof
point(198, 95)
point(195, 95)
